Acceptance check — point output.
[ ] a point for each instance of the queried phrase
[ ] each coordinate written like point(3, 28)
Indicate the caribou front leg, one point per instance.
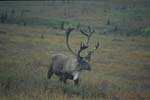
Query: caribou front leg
point(64, 78)
point(76, 78)
point(76, 82)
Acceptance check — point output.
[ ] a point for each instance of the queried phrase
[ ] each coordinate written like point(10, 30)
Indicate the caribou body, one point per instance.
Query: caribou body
point(68, 67)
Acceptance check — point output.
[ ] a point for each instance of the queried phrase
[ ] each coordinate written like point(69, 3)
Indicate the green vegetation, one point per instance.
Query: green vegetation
point(33, 31)
point(120, 67)
point(130, 17)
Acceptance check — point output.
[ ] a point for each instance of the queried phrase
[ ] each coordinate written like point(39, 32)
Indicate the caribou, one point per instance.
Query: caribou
point(66, 67)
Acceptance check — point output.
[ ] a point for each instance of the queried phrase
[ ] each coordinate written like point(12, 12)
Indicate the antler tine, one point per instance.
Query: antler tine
point(82, 47)
point(97, 45)
point(90, 31)
point(83, 33)
point(69, 30)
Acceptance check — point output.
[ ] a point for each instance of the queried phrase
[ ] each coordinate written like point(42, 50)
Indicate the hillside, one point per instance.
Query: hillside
point(130, 17)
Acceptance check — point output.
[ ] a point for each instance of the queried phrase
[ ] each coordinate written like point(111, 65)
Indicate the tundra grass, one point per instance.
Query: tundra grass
point(120, 67)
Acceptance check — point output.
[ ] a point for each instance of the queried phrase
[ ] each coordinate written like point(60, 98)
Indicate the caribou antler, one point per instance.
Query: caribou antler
point(69, 30)
point(88, 34)
point(90, 31)
point(96, 47)
point(82, 46)
point(92, 51)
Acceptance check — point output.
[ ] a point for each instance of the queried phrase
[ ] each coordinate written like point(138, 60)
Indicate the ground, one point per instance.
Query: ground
point(120, 67)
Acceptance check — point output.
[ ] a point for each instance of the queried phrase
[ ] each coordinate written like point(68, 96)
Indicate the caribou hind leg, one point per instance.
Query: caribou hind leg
point(50, 72)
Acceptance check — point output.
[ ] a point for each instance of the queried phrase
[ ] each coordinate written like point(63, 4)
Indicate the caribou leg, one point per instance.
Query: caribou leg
point(60, 79)
point(50, 72)
point(76, 82)
point(64, 78)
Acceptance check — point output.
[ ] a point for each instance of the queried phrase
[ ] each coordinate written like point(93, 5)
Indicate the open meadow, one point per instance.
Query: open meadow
point(120, 67)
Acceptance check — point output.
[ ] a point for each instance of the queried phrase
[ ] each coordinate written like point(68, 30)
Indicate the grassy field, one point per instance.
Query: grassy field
point(32, 32)
point(120, 68)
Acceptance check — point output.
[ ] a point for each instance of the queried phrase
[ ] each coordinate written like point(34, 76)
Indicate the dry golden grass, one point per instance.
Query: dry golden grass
point(120, 68)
